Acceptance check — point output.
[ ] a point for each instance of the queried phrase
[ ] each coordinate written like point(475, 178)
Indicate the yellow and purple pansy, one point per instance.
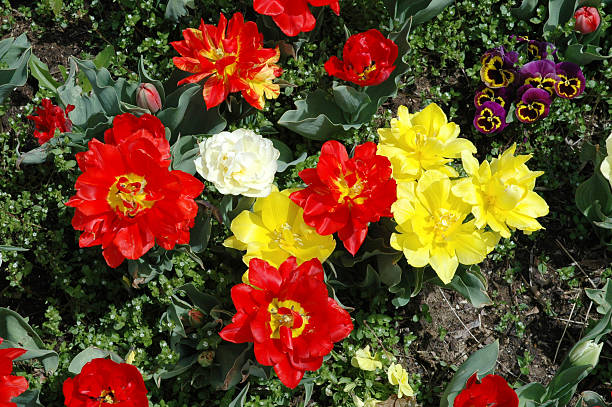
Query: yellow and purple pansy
point(534, 105)
point(497, 69)
point(570, 80)
point(500, 96)
point(539, 74)
point(537, 49)
point(490, 118)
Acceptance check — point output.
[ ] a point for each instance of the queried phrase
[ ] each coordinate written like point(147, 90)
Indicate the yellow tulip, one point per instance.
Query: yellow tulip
point(399, 377)
point(501, 193)
point(431, 228)
point(606, 164)
point(275, 230)
point(422, 141)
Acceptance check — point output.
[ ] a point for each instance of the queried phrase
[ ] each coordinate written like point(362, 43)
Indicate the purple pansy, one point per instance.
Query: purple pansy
point(539, 74)
point(570, 80)
point(490, 118)
point(497, 95)
point(534, 105)
point(497, 69)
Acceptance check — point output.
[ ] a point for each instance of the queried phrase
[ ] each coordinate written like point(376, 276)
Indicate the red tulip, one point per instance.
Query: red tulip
point(293, 16)
point(103, 382)
point(289, 316)
point(148, 97)
point(126, 198)
point(50, 117)
point(10, 386)
point(345, 194)
point(491, 391)
point(368, 59)
point(587, 19)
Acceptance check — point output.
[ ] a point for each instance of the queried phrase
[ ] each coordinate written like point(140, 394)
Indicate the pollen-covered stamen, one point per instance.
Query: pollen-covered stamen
point(106, 397)
point(350, 189)
point(445, 224)
point(365, 75)
point(287, 313)
point(128, 196)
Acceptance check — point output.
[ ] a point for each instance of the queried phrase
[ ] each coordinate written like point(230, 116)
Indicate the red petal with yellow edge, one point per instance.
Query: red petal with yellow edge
point(215, 91)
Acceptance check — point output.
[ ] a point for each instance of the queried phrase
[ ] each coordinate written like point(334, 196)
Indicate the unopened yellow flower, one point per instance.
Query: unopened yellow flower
point(501, 193)
point(431, 228)
point(606, 164)
point(364, 360)
point(422, 141)
point(275, 230)
point(369, 402)
point(399, 377)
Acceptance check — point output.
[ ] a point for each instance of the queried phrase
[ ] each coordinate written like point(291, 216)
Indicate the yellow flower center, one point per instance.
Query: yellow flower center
point(107, 397)
point(287, 313)
point(366, 72)
point(127, 195)
point(285, 238)
point(444, 225)
point(350, 192)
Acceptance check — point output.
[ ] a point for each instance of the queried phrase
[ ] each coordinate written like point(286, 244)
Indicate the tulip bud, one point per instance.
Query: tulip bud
point(587, 19)
point(195, 317)
point(147, 97)
point(586, 354)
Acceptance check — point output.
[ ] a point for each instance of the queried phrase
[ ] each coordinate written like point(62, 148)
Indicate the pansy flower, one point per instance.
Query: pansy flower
point(501, 96)
point(497, 69)
point(369, 59)
point(490, 118)
point(534, 105)
point(537, 49)
point(539, 74)
point(570, 80)
point(288, 315)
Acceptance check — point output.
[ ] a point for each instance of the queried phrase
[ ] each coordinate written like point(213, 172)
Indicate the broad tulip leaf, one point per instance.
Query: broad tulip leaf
point(17, 333)
point(37, 155)
point(530, 394)
point(482, 361)
point(176, 9)
point(200, 232)
point(15, 54)
point(582, 54)
point(241, 397)
point(525, 10)
point(603, 297)
point(591, 399)
point(472, 285)
point(419, 10)
point(202, 300)
point(350, 100)
point(184, 152)
point(86, 356)
point(559, 12)
point(40, 71)
point(70, 93)
point(29, 398)
point(104, 57)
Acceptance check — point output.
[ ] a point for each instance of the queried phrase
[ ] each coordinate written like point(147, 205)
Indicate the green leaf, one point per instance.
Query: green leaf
point(176, 9)
point(104, 57)
point(200, 233)
point(590, 399)
point(525, 10)
point(184, 152)
point(350, 100)
point(241, 397)
point(40, 71)
point(583, 54)
point(203, 301)
point(559, 13)
point(13, 248)
point(85, 356)
point(482, 361)
point(419, 11)
point(603, 297)
point(472, 285)
point(434, 8)
point(17, 333)
point(56, 6)
point(37, 155)
point(530, 394)
point(15, 53)
point(594, 190)
point(29, 398)
point(102, 86)
point(70, 93)
point(186, 114)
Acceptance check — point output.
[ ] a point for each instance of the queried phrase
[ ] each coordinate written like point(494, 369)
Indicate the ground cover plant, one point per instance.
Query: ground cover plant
point(317, 203)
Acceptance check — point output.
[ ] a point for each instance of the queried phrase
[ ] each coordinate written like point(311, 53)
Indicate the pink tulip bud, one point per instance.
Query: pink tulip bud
point(195, 317)
point(587, 19)
point(147, 97)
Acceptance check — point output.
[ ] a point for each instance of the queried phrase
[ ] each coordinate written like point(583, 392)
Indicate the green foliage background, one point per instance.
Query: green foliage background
point(74, 300)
